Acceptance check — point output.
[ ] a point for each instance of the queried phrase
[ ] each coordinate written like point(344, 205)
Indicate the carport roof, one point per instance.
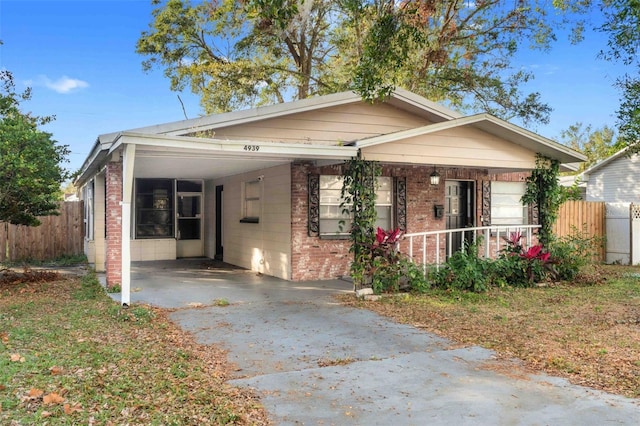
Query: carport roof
point(167, 155)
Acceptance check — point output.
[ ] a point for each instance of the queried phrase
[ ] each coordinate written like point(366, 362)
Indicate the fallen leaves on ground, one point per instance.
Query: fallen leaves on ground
point(586, 333)
point(100, 366)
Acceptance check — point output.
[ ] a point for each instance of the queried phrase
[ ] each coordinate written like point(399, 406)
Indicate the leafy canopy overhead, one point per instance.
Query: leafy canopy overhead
point(237, 54)
point(622, 24)
point(30, 161)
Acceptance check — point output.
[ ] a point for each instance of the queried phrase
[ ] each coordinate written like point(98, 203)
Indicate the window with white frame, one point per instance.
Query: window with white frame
point(251, 202)
point(88, 190)
point(506, 207)
point(334, 221)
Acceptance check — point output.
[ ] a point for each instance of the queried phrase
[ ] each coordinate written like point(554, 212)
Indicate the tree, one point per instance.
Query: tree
point(595, 144)
point(245, 53)
point(622, 24)
point(30, 161)
point(235, 54)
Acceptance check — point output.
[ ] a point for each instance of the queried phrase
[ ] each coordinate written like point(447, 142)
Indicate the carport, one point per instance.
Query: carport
point(184, 283)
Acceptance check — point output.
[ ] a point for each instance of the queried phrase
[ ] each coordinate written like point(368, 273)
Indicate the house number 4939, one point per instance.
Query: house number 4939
point(252, 147)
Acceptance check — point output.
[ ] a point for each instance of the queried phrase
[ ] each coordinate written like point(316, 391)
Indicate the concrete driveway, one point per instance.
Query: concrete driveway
point(315, 362)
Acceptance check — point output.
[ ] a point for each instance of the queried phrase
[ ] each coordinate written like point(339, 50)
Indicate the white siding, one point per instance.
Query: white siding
point(616, 182)
point(462, 146)
point(329, 126)
point(265, 246)
point(153, 249)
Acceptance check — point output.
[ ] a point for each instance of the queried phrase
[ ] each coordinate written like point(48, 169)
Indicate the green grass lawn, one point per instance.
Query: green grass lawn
point(70, 355)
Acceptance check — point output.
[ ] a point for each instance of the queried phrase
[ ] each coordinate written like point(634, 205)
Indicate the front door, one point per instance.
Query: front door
point(189, 217)
point(458, 211)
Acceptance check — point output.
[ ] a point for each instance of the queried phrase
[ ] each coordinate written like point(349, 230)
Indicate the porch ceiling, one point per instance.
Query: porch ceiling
point(194, 166)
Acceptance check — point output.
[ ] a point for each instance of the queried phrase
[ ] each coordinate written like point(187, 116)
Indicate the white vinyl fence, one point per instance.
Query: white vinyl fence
point(623, 233)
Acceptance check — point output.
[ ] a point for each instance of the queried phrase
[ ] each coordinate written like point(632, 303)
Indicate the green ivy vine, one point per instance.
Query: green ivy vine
point(359, 201)
point(544, 191)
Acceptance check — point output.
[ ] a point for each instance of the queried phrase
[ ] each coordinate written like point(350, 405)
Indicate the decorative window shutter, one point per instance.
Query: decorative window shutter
point(486, 203)
point(313, 227)
point(400, 204)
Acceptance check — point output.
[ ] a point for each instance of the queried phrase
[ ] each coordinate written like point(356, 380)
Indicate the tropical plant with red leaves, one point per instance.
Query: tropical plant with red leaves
point(385, 260)
point(535, 259)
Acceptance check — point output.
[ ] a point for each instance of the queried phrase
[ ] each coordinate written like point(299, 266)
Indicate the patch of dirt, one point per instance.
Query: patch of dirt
point(10, 278)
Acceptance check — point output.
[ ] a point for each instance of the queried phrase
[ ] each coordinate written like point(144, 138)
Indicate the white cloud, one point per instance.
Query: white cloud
point(62, 85)
point(543, 69)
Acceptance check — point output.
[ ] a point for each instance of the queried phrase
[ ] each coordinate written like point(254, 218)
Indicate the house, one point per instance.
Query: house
point(260, 188)
point(614, 179)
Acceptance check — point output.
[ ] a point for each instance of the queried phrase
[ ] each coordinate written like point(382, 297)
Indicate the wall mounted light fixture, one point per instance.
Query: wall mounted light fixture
point(435, 177)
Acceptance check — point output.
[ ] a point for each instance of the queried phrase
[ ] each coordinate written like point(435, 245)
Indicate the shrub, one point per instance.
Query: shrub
point(518, 267)
point(572, 252)
point(465, 270)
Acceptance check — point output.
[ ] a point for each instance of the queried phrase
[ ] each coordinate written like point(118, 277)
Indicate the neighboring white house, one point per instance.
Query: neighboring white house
point(614, 179)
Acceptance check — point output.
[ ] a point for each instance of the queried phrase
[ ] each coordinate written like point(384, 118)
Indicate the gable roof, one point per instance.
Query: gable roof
point(604, 162)
point(491, 125)
point(400, 98)
point(440, 117)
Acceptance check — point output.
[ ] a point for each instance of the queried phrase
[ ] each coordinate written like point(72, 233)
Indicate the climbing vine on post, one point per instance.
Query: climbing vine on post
point(544, 191)
point(359, 201)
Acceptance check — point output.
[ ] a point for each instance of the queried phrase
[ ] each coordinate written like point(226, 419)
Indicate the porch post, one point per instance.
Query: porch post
point(128, 157)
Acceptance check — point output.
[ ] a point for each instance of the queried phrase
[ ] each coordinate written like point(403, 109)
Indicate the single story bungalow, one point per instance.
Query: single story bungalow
point(260, 188)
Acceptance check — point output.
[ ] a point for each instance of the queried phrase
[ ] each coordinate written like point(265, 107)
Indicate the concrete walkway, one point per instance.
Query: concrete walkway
point(315, 362)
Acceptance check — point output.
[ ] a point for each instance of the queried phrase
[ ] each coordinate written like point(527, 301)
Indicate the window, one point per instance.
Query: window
point(154, 208)
point(251, 202)
point(88, 210)
point(506, 208)
point(331, 214)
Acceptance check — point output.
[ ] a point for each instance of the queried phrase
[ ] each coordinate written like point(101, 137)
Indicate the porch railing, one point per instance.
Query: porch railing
point(443, 241)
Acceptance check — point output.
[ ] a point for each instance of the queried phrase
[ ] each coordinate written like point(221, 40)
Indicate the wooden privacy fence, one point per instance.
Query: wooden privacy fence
point(587, 217)
point(57, 236)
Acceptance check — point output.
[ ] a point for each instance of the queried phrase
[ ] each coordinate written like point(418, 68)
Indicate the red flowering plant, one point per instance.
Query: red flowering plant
point(514, 242)
point(384, 266)
point(523, 267)
point(535, 259)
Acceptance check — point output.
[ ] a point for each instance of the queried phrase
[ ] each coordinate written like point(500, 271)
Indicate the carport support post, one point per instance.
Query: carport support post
point(128, 157)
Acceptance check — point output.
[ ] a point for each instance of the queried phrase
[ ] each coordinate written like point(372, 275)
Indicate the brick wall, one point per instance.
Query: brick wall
point(315, 258)
point(113, 212)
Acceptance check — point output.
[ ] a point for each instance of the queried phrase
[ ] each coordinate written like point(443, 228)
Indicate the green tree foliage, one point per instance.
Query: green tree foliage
point(596, 144)
point(30, 161)
point(622, 24)
point(245, 53)
point(236, 54)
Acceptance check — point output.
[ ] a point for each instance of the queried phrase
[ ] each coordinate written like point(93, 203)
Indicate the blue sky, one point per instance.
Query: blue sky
point(79, 58)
